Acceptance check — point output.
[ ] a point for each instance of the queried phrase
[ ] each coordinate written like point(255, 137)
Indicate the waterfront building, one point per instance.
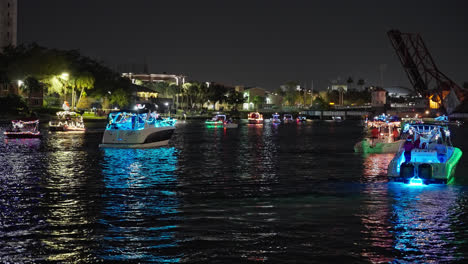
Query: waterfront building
point(399, 92)
point(8, 23)
point(155, 77)
point(339, 87)
point(379, 97)
point(249, 94)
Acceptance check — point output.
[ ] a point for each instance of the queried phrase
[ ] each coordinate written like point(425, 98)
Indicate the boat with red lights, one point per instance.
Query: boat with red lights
point(255, 118)
point(382, 136)
point(25, 128)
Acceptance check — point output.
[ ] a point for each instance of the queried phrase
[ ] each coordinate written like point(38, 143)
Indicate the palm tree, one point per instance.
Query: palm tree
point(350, 81)
point(31, 85)
point(361, 83)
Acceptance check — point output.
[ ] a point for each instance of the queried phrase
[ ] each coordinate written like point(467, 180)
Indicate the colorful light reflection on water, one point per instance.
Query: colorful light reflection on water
point(423, 223)
point(140, 189)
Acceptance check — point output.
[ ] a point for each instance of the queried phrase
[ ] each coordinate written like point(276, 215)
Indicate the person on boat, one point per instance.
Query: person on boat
point(374, 134)
point(395, 134)
point(417, 142)
point(408, 147)
point(441, 151)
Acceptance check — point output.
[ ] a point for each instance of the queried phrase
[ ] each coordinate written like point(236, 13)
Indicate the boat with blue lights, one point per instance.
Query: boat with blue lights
point(288, 118)
point(255, 118)
point(137, 129)
point(301, 119)
point(427, 156)
point(25, 128)
point(275, 118)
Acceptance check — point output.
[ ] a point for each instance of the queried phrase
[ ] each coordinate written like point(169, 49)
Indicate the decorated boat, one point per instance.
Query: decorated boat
point(301, 119)
point(288, 118)
point(275, 118)
point(23, 129)
point(426, 157)
point(221, 120)
point(216, 120)
point(67, 121)
point(381, 137)
point(137, 129)
point(255, 118)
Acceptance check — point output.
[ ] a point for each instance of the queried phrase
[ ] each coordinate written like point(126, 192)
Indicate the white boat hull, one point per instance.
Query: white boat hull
point(148, 137)
point(138, 146)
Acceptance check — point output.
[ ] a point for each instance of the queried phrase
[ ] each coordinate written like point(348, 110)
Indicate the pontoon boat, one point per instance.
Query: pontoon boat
point(67, 121)
point(23, 129)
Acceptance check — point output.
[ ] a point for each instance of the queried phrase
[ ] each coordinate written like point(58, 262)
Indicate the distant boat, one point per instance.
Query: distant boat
point(23, 129)
point(67, 121)
point(216, 120)
point(288, 118)
point(255, 118)
point(300, 119)
point(221, 120)
point(275, 118)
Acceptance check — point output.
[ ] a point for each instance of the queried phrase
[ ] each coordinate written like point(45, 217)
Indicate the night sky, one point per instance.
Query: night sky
point(252, 43)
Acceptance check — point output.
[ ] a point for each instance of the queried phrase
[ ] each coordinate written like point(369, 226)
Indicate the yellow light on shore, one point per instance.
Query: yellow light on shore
point(64, 76)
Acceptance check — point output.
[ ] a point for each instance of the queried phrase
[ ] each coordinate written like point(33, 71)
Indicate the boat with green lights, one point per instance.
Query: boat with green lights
point(427, 156)
point(382, 136)
point(216, 120)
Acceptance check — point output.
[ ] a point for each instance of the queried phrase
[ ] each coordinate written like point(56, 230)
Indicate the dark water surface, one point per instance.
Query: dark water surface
point(274, 194)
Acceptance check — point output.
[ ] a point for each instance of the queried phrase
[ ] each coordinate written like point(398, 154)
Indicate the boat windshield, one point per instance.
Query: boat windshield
point(135, 121)
point(429, 134)
point(219, 118)
point(288, 116)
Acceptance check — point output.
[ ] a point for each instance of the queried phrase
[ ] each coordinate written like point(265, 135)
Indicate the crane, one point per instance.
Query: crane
point(426, 78)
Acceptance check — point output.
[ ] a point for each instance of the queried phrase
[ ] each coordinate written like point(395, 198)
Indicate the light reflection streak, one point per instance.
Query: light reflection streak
point(140, 205)
point(19, 193)
point(66, 216)
point(422, 219)
point(376, 210)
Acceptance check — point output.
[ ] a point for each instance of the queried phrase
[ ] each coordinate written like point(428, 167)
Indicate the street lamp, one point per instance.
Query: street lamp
point(167, 105)
point(20, 82)
point(64, 76)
